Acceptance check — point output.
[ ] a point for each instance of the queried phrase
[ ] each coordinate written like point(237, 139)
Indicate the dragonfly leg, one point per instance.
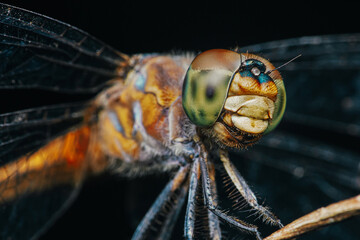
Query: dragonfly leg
point(199, 221)
point(215, 231)
point(165, 210)
point(246, 192)
point(210, 202)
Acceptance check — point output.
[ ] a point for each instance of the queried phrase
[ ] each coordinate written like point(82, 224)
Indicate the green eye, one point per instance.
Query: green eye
point(280, 105)
point(204, 95)
point(206, 85)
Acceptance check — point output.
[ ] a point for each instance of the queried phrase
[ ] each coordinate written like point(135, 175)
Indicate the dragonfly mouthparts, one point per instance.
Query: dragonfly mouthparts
point(249, 113)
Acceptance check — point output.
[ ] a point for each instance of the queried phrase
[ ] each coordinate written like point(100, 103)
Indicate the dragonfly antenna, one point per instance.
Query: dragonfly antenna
point(284, 64)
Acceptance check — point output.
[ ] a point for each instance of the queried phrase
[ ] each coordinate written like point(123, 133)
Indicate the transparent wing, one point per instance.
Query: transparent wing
point(28, 217)
point(313, 158)
point(39, 52)
point(27, 130)
point(29, 212)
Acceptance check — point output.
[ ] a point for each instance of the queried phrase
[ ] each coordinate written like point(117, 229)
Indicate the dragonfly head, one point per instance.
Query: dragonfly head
point(233, 98)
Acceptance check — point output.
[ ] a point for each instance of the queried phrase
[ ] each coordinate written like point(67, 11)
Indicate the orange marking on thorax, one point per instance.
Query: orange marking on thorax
point(114, 143)
point(153, 116)
point(163, 76)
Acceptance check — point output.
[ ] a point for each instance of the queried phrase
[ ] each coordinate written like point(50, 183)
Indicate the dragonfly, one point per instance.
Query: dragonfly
point(136, 117)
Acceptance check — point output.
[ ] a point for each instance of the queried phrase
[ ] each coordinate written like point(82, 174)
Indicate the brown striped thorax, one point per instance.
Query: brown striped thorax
point(233, 97)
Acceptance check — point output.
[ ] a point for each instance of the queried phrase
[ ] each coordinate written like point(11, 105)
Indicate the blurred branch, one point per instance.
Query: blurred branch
point(319, 218)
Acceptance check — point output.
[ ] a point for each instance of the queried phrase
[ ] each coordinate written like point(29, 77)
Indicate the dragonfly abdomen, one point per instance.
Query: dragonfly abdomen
point(64, 160)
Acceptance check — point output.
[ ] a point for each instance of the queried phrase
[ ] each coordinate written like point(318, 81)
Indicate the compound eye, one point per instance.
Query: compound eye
point(206, 85)
point(280, 105)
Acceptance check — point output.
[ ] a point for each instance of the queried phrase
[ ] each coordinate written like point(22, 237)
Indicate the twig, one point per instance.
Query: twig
point(321, 217)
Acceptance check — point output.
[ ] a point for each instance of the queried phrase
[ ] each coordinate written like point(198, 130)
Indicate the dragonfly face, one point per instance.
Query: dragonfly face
point(235, 97)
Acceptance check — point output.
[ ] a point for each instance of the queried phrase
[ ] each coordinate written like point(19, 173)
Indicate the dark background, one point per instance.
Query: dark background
point(102, 209)
point(134, 27)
